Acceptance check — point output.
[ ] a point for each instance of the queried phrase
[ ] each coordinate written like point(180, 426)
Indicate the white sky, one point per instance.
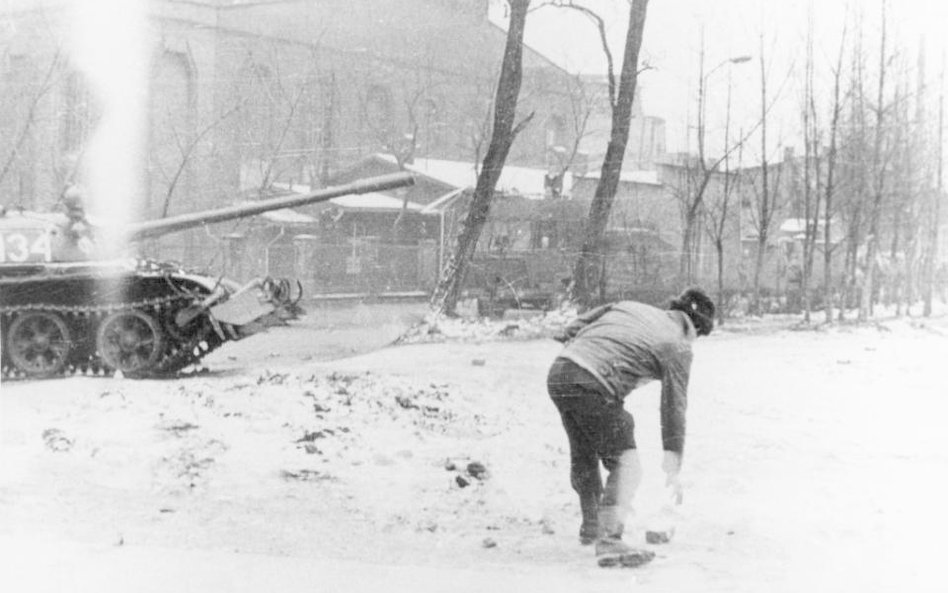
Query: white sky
point(731, 28)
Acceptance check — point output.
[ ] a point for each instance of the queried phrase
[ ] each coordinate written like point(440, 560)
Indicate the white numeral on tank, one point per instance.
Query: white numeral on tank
point(41, 247)
point(17, 248)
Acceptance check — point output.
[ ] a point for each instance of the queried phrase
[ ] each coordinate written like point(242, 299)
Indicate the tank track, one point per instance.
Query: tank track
point(180, 351)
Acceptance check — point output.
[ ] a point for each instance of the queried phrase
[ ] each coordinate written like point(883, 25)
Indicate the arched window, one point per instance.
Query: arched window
point(171, 122)
point(76, 116)
point(555, 131)
point(379, 108)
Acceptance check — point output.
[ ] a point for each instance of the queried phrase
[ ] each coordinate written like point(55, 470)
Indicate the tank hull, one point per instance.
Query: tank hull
point(140, 318)
point(63, 311)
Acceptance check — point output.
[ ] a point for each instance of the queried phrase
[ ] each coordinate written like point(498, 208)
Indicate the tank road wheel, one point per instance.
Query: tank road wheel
point(130, 341)
point(39, 343)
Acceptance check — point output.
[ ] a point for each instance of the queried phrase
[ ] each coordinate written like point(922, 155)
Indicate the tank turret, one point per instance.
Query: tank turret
point(63, 312)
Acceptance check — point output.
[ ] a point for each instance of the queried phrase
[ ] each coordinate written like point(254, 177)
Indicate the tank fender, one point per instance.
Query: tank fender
point(189, 313)
point(250, 303)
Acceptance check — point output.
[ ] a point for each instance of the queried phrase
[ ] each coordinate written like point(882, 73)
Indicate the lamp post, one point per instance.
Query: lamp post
point(693, 258)
point(702, 84)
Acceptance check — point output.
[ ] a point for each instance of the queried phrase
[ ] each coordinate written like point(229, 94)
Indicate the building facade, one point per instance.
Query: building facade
point(247, 94)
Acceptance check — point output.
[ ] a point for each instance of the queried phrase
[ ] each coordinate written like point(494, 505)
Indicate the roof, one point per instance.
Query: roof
point(642, 177)
point(525, 181)
point(374, 202)
point(793, 225)
point(365, 202)
point(444, 202)
point(288, 216)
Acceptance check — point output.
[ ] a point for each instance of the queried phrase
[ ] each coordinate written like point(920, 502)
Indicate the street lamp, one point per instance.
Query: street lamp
point(702, 82)
point(734, 60)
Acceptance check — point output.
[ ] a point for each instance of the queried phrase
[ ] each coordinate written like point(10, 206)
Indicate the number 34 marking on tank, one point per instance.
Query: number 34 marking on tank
point(20, 247)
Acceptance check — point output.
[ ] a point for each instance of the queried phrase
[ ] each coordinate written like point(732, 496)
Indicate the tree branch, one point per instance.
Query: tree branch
point(44, 88)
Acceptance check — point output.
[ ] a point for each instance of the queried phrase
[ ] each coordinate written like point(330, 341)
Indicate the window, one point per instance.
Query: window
point(555, 131)
point(76, 116)
point(379, 108)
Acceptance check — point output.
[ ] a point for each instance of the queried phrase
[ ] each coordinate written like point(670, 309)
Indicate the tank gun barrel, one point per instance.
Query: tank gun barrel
point(164, 226)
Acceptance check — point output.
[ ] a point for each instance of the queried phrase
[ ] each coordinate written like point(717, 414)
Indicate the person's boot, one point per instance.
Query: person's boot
point(610, 549)
point(610, 537)
point(589, 531)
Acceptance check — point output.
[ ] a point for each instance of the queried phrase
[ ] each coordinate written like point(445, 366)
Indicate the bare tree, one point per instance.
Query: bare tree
point(504, 131)
point(811, 171)
point(588, 273)
point(580, 105)
point(766, 191)
point(908, 147)
point(273, 130)
point(187, 149)
point(830, 186)
point(879, 171)
point(934, 206)
point(854, 152)
point(26, 124)
point(718, 211)
point(698, 173)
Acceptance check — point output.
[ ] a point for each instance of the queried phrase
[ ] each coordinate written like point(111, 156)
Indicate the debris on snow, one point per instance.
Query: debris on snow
point(305, 475)
point(56, 440)
point(477, 470)
point(176, 427)
point(659, 537)
point(438, 328)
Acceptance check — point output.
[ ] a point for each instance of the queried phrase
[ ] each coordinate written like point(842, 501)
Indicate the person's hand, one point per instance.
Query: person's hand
point(671, 465)
point(676, 492)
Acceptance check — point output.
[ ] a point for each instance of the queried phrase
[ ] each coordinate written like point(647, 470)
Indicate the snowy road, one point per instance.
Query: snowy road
point(44, 567)
point(816, 461)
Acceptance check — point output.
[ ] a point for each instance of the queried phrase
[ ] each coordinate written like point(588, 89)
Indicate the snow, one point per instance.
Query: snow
point(374, 201)
point(815, 462)
point(525, 181)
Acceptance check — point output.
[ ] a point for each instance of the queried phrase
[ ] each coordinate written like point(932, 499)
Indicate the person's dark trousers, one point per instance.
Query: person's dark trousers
point(598, 429)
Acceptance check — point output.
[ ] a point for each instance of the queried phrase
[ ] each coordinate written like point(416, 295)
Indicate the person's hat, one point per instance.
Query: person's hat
point(72, 199)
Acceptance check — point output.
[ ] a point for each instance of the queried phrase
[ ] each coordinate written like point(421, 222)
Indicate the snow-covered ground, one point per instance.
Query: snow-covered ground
point(817, 460)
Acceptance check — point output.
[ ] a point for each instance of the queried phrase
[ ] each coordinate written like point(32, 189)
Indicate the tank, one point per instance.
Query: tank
point(63, 312)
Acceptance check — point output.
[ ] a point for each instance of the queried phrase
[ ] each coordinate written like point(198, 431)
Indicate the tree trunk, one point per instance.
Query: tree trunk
point(686, 272)
point(830, 188)
point(878, 170)
point(764, 203)
point(587, 276)
point(719, 246)
point(935, 209)
point(446, 295)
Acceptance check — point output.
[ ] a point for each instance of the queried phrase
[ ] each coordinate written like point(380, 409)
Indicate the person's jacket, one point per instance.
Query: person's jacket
point(627, 344)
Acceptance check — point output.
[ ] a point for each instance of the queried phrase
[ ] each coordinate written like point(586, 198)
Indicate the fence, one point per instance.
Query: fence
point(364, 267)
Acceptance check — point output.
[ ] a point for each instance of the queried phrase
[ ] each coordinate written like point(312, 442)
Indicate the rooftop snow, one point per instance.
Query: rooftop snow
point(526, 181)
point(643, 177)
point(374, 201)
